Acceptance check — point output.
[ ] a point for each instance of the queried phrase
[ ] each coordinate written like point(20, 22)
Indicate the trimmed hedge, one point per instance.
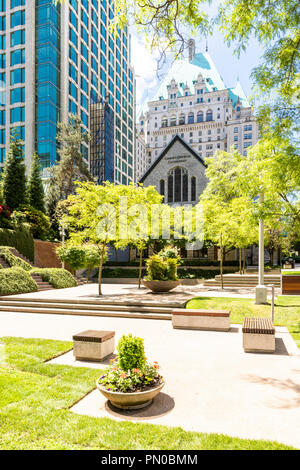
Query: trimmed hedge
point(185, 262)
point(12, 260)
point(22, 240)
point(57, 277)
point(183, 273)
point(16, 281)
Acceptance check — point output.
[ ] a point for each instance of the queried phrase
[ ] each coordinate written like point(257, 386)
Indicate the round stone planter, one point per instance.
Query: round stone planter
point(160, 286)
point(130, 401)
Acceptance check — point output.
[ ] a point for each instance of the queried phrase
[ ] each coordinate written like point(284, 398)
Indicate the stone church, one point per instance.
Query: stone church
point(178, 173)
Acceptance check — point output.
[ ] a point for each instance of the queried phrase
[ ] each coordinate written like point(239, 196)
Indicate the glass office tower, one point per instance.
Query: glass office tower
point(61, 59)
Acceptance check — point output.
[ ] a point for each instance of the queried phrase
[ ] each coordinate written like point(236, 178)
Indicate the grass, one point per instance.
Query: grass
point(34, 409)
point(286, 313)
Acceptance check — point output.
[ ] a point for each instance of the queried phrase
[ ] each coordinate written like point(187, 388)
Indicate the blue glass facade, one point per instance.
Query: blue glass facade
point(47, 105)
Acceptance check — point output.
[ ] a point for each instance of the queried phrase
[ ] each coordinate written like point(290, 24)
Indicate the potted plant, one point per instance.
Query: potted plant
point(162, 271)
point(130, 382)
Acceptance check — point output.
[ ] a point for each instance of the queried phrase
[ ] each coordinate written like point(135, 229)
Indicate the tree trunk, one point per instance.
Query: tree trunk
point(88, 275)
point(244, 260)
point(140, 267)
point(272, 256)
point(100, 270)
point(240, 260)
point(221, 262)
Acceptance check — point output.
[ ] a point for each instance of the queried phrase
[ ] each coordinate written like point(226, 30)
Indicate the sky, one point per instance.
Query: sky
point(228, 64)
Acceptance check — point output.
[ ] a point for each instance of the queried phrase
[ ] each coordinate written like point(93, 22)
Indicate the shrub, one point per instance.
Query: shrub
point(74, 256)
point(159, 269)
point(131, 353)
point(5, 214)
point(12, 260)
point(22, 240)
point(57, 277)
point(39, 223)
point(16, 281)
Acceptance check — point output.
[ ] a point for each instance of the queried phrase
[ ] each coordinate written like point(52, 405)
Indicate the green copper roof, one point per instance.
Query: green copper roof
point(185, 72)
point(238, 93)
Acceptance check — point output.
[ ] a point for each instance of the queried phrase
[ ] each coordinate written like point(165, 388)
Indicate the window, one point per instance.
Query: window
point(18, 131)
point(182, 119)
point(191, 118)
point(236, 129)
point(73, 36)
point(17, 3)
point(209, 115)
point(164, 122)
point(178, 185)
point(200, 117)
point(162, 187)
point(73, 90)
point(17, 95)
point(73, 54)
point(2, 61)
point(17, 18)
point(193, 188)
point(2, 23)
point(2, 41)
point(17, 57)
point(17, 114)
point(17, 37)
point(17, 76)
point(173, 121)
point(73, 72)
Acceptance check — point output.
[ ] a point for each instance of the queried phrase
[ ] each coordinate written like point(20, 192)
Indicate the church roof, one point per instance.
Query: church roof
point(238, 93)
point(165, 151)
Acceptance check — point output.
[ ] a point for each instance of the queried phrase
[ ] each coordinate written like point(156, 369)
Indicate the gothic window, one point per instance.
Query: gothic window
point(182, 119)
point(164, 122)
point(178, 187)
point(200, 116)
point(209, 115)
point(191, 118)
point(193, 188)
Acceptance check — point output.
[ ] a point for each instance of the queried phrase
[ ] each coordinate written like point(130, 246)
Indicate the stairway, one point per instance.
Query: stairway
point(42, 285)
point(15, 252)
point(99, 308)
point(242, 280)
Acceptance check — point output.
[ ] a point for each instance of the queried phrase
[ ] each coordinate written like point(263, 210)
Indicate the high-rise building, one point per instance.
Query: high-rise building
point(193, 102)
point(57, 59)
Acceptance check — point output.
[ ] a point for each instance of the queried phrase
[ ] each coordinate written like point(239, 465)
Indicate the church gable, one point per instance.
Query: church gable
point(178, 173)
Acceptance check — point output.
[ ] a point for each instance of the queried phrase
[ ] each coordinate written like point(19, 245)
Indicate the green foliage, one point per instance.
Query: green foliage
point(5, 217)
point(35, 189)
point(12, 260)
point(57, 277)
point(16, 281)
point(39, 223)
point(160, 269)
point(14, 179)
point(74, 256)
point(22, 240)
point(131, 353)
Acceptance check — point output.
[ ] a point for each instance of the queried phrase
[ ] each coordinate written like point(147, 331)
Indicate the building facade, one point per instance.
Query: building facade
point(61, 59)
point(193, 102)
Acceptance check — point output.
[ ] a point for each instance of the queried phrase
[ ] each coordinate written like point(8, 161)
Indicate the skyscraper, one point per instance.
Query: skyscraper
point(61, 59)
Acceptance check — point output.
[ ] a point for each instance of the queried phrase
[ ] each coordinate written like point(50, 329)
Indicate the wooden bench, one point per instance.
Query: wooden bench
point(258, 335)
point(194, 319)
point(93, 345)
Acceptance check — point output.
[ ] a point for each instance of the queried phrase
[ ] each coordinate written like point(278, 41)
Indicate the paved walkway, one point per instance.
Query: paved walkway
point(131, 292)
point(211, 384)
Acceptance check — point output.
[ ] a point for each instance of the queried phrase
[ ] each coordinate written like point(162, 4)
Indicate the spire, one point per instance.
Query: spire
point(206, 46)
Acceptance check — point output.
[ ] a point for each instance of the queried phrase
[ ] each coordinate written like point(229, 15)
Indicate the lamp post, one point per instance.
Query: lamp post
point(261, 289)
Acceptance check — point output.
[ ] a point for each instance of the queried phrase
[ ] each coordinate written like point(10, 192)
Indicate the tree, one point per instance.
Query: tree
point(35, 189)
point(74, 256)
point(71, 166)
point(92, 258)
point(14, 179)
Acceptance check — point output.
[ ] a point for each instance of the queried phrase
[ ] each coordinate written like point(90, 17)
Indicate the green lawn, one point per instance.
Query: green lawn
point(287, 310)
point(34, 414)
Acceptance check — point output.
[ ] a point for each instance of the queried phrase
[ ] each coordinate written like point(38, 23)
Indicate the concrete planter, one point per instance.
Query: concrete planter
point(160, 286)
point(130, 401)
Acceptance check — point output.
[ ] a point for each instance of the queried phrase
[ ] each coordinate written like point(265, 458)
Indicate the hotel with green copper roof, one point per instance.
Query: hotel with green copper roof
point(193, 102)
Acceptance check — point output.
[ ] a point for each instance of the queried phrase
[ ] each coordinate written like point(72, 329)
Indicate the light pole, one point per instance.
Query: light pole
point(261, 289)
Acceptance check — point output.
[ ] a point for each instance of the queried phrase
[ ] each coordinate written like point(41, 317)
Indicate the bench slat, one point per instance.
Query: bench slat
point(258, 325)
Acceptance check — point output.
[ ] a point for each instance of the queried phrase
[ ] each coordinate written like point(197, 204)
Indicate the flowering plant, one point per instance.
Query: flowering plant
point(116, 379)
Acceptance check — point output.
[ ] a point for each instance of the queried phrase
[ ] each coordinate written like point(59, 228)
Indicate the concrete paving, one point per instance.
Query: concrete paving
point(211, 384)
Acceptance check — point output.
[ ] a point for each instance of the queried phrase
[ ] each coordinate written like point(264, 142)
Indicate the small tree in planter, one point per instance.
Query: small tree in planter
point(130, 381)
point(162, 271)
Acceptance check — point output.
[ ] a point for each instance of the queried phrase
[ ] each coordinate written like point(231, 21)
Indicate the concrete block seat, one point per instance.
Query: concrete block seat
point(258, 335)
point(93, 345)
point(194, 319)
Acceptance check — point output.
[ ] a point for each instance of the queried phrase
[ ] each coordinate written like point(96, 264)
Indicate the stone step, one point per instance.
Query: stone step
point(93, 307)
point(97, 313)
point(96, 301)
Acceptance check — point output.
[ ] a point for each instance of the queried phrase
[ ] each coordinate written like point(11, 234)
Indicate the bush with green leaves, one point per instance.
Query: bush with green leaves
point(16, 281)
point(131, 352)
point(39, 223)
point(74, 256)
point(59, 278)
point(160, 269)
point(22, 240)
point(12, 260)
